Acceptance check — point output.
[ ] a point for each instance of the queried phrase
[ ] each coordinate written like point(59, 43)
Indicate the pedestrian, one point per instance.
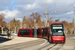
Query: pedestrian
point(8, 34)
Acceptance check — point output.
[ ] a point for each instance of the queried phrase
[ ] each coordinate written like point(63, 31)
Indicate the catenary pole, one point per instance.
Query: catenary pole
point(46, 13)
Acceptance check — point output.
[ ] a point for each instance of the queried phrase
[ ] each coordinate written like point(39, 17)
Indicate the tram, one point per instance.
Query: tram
point(57, 34)
point(30, 32)
point(54, 33)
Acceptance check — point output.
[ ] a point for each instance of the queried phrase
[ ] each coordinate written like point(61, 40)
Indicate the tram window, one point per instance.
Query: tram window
point(38, 32)
point(33, 32)
point(44, 32)
point(24, 32)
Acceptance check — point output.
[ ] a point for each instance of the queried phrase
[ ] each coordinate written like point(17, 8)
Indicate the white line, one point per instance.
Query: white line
point(44, 42)
point(38, 45)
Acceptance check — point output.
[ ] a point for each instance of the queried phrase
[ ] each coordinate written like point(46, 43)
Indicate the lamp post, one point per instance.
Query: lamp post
point(46, 13)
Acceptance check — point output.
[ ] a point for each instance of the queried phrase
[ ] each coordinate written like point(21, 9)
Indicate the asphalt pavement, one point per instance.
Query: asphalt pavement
point(42, 44)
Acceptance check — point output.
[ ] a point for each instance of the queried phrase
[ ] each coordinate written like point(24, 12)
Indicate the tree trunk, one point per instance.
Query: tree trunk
point(2, 29)
point(15, 29)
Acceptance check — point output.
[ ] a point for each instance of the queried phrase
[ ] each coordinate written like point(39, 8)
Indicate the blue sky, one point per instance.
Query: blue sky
point(58, 9)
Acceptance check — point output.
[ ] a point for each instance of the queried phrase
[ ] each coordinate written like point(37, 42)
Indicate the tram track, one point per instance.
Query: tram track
point(52, 46)
point(47, 47)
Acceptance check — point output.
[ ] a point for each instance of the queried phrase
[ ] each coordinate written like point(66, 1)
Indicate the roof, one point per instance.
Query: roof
point(56, 23)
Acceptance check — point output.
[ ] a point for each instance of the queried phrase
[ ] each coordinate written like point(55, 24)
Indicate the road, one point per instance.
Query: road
point(43, 44)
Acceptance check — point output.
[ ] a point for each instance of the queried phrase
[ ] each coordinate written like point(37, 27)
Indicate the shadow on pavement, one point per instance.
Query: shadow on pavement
point(2, 39)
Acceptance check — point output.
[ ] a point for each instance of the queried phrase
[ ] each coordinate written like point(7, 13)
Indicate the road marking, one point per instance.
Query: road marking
point(44, 42)
point(38, 45)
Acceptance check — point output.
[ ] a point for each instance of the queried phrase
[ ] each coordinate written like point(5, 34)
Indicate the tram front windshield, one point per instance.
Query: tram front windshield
point(57, 30)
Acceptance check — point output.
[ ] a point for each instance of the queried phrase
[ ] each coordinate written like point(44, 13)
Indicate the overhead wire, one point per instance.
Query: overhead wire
point(54, 4)
point(64, 10)
point(69, 8)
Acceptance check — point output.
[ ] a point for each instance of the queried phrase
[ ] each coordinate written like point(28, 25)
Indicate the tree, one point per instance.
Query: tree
point(39, 22)
point(24, 22)
point(29, 22)
point(71, 27)
point(50, 20)
point(57, 20)
point(2, 23)
point(15, 25)
point(66, 25)
point(35, 16)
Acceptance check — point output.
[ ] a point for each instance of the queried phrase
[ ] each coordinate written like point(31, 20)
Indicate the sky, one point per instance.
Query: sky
point(57, 9)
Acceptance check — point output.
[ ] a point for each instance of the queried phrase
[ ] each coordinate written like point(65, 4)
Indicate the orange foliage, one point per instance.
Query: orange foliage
point(2, 23)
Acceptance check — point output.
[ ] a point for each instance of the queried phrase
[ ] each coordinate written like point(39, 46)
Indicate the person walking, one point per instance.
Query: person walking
point(8, 34)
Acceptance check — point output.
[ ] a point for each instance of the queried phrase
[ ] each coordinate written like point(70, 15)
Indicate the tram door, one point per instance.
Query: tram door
point(44, 33)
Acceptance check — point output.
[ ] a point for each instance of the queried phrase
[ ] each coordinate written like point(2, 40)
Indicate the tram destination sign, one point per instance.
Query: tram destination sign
point(56, 25)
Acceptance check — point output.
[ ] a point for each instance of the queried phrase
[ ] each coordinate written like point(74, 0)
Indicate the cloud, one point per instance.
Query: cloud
point(10, 14)
point(31, 6)
point(19, 19)
point(50, 1)
point(17, 9)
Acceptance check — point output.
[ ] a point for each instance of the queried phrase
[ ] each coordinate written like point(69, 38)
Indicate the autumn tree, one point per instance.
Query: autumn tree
point(50, 20)
point(15, 25)
point(39, 22)
point(30, 22)
point(24, 23)
point(35, 16)
point(2, 23)
point(71, 27)
point(66, 25)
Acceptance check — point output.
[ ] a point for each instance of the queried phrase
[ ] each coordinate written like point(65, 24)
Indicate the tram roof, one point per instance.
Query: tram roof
point(32, 28)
